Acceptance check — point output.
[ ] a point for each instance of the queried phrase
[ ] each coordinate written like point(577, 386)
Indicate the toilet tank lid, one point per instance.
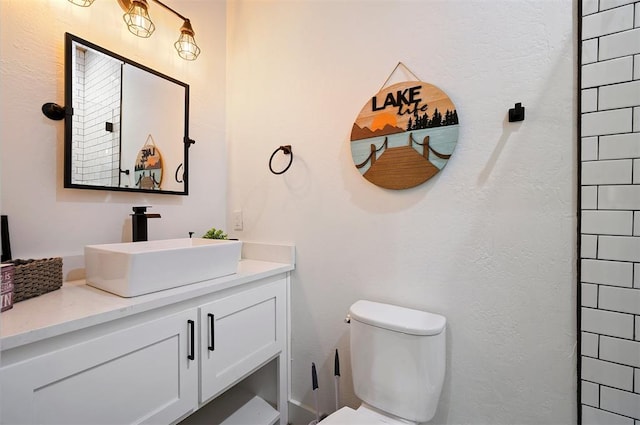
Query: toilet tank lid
point(398, 319)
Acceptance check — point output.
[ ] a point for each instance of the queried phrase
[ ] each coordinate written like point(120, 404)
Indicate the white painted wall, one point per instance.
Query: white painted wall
point(47, 220)
point(489, 242)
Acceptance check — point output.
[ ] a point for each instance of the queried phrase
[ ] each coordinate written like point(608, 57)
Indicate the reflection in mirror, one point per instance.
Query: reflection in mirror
point(129, 125)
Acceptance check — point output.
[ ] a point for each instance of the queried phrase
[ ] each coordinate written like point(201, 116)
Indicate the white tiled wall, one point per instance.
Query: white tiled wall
point(610, 218)
point(78, 116)
point(97, 161)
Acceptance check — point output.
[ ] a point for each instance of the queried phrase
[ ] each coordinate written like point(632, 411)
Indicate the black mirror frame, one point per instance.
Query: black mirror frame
point(68, 125)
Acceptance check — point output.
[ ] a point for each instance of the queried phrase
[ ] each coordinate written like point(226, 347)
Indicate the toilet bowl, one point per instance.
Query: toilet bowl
point(397, 362)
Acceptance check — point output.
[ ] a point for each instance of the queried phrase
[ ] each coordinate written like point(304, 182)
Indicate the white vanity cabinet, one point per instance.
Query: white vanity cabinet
point(156, 367)
point(239, 333)
point(140, 374)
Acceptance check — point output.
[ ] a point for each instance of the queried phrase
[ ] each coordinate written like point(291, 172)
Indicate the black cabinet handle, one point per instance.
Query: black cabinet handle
point(212, 334)
point(192, 343)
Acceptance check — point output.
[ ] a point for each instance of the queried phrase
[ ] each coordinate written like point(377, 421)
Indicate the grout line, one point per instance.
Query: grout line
point(616, 235)
point(615, 413)
point(599, 36)
point(609, 386)
point(621, 108)
point(617, 312)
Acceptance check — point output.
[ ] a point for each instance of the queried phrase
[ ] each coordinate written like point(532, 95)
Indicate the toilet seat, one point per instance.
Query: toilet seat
point(362, 416)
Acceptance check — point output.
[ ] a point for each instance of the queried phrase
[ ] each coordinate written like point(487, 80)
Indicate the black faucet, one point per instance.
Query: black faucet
point(139, 223)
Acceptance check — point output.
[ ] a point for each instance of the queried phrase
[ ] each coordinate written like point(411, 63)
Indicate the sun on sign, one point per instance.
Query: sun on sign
point(404, 135)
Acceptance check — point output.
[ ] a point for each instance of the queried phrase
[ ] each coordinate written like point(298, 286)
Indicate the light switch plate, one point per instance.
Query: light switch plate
point(237, 220)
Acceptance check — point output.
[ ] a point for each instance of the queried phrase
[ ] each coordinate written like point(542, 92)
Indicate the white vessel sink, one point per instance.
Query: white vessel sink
point(137, 268)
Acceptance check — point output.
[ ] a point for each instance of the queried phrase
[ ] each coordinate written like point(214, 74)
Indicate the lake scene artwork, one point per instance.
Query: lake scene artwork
point(404, 135)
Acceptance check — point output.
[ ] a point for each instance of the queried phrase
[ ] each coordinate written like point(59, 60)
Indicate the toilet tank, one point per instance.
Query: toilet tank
point(397, 358)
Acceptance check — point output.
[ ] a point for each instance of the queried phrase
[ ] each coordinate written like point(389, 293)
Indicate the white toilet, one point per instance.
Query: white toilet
point(398, 364)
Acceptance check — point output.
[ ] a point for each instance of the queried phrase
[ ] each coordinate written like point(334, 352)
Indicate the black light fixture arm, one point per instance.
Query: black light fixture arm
point(126, 4)
point(171, 10)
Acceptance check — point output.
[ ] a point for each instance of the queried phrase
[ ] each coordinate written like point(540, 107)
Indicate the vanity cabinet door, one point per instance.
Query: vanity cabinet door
point(238, 334)
point(140, 374)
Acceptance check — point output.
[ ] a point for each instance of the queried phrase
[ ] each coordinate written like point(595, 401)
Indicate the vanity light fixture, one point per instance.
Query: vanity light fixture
point(139, 23)
point(137, 19)
point(186, 44)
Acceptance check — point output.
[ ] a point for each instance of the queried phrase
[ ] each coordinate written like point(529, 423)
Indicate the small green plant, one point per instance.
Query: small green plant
point(214, 233)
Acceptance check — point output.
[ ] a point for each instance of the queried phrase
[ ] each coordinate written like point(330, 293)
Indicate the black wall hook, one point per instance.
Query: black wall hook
point(516, 113)
point(54, 111)
point(287, 151)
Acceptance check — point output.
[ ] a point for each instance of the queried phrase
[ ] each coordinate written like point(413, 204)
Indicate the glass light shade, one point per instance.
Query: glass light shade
point(186, 44)
point(83, 3)
point(137, 19)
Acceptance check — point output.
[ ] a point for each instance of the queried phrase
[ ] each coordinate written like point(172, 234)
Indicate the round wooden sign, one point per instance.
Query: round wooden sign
point(148, 168)
point(404, 135)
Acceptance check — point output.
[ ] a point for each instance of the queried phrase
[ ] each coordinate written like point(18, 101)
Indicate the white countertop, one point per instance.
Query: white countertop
point(76, 305)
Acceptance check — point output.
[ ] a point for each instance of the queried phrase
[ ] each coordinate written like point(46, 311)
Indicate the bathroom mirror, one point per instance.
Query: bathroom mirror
point(127, 126)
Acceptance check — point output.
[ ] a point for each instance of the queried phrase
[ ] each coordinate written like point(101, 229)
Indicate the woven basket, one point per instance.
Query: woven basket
point(32, 278)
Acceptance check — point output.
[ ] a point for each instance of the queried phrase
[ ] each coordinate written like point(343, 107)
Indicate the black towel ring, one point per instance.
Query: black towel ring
point(287, 151)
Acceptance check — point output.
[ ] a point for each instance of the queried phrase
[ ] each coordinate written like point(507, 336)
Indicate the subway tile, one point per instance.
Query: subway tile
point(637, 328)
point(637, 15)
point(607, 323)
point(607, 122)
point(589, 100)
point(636, 119)
point(589, 197)
point(607, 72)
point(589, 51)
point(637, 380)
point(608, 4)
point(636, 223)
point(619, 95)
point(619, 248)
point(593, 416)
point(636, 60)
point(589, 344)
point(590, 393)
point(607, 222)
point(636, 171)
point(589, 7)
point(607, 172)
point(608, 22)
point(619, 146)
point(589, 149)
point(588, 246)
point(625, 197)
point(620, 44)
point(606, 373)
point(615, 273)
point(589, 295)
point(622, 402)
point(636, 279)
point(621, 351)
